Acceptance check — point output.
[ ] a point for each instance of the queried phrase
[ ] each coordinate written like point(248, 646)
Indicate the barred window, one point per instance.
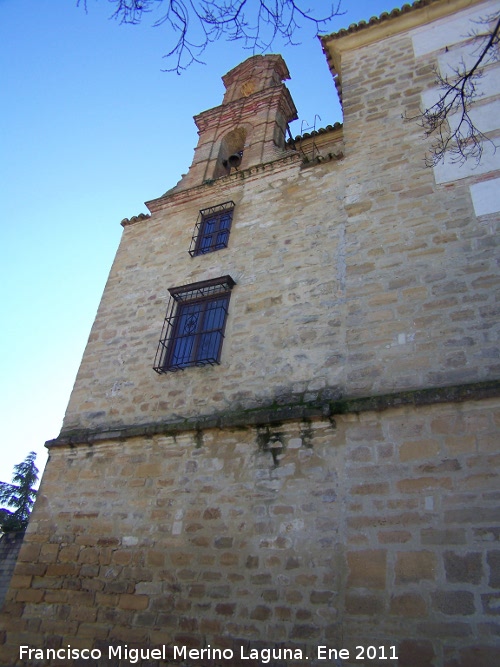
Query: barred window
point(193, 330)
point(212, 229)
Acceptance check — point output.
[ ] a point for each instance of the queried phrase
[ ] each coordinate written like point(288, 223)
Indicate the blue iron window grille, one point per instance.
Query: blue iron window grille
point(212, 229)
point(193, 330)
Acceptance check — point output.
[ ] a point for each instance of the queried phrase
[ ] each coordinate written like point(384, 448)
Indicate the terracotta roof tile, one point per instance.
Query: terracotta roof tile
point(321, 130)
point(374, 20)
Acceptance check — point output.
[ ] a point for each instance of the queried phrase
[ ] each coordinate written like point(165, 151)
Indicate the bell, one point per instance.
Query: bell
point(234, 160)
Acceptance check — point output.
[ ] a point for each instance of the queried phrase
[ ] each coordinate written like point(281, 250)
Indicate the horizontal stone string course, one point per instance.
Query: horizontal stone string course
point(334, 481)
point(281, 413)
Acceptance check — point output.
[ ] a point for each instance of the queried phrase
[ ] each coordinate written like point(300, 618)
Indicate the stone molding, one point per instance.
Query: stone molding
point(173, 198)
point(389, 24)
point(178, 197)
point(274, 413)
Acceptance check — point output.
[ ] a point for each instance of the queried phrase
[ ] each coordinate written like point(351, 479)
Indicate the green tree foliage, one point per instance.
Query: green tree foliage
point(20, 495)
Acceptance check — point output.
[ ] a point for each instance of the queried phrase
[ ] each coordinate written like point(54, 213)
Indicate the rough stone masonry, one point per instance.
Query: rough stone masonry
point(328, 489)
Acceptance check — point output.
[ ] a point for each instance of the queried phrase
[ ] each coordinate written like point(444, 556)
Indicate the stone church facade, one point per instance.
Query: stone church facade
point(284, 432)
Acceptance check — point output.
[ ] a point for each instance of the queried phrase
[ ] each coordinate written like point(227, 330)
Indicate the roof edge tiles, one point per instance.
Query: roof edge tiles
point(376, 20)
point(435, 9)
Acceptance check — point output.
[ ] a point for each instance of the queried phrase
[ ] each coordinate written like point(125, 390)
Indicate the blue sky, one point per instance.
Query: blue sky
point(90, 128)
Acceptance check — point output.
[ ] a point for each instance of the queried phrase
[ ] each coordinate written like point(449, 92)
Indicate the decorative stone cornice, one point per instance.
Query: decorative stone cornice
point(173, 197)
point(398, 20)
point(240, 108)
point(274, 413)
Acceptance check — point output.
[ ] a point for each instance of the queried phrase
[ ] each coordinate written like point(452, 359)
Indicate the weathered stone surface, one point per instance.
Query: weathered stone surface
point(415, 566)
point(235, 538)
point(335, 478)
point(493, 560)
point(466, 568)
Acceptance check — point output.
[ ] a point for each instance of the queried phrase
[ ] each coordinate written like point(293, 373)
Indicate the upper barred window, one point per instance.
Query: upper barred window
point(212, 229)
point(193, 330)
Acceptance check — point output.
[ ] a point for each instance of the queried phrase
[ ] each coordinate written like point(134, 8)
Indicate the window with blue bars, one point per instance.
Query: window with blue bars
point(193, 331)
point(212, 229)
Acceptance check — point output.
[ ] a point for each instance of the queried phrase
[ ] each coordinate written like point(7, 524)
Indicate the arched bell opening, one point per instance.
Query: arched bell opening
point(230, 152)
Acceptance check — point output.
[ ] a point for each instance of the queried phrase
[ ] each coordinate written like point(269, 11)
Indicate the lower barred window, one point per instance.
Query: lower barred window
point(193, 330)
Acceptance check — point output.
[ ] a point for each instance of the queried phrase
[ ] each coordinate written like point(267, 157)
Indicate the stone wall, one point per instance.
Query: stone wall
point(353, 277)
point(421, 273)
point(334, 480)
point(367, 529)
point(284, 334)
point(10, 543)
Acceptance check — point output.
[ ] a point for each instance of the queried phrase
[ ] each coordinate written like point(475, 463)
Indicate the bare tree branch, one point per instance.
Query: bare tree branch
point(461, 139)
point(195, 24)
